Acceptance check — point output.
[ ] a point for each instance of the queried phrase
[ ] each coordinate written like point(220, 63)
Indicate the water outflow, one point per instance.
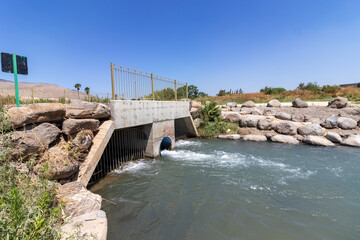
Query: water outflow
point(215, 189)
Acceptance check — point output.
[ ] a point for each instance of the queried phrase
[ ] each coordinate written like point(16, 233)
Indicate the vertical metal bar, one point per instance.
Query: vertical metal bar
point(152, 86)
point(108, 99)
point(16, 80)
point(65, 96)
point(175, 92)
point(187, 92)
point(112, 81)
point(135, 82)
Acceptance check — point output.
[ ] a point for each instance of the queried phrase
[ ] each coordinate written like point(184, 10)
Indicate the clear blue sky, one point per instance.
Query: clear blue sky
point(212, 44)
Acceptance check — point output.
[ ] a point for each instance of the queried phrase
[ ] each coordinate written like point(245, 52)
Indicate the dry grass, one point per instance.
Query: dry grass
point(352, 93)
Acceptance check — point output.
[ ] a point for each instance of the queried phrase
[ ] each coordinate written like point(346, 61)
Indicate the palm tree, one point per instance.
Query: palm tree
point(78, 86)
point(87, 90)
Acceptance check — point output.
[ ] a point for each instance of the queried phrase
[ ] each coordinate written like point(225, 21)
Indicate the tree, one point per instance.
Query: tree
point(358, 85)
point(78, 86)
point(87, 90)
point(221, 93)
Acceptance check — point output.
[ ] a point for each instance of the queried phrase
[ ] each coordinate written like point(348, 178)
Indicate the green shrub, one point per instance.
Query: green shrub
point(269, 90)
point(331, 89)
point(210, 112)
point(211, 129)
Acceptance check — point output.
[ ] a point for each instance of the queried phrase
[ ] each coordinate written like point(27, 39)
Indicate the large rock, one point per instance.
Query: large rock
point(36, 113)
point(284, 139)
point(34, 141)
point(318, 141)
point(264, 124)
point(311, 129)
point(353, 140)
point(71, 126)
point(256, 111)
point(269, 112)
point(195, 112)
point(231, 104)
point(346, 123)
point(248, 104)
point(298, 103)
point(256, 138)
point(232, 117)
point(229, 136)
point(339, 102)
point(273, 103)
point(283, 116)
point(86, 225)
point(250, 120)
point(333, 137)
point(285, 127)
point(195, 104)
point(297, 117)
point(330, 122)
point(82, 109)
point(78, 200)
point(83, 140)
point(60, 165)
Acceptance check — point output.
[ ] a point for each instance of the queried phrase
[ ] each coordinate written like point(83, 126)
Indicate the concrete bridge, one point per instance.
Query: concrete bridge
point(136, 130)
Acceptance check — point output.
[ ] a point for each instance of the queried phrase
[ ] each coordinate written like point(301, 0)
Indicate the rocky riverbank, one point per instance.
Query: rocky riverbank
point(330, 125)
point(58, 137)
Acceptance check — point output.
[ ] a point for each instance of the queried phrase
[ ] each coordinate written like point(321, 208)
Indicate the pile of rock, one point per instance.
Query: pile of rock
point(273, 123)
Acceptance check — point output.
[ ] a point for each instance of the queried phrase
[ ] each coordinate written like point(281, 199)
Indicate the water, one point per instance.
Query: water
point(216, 189)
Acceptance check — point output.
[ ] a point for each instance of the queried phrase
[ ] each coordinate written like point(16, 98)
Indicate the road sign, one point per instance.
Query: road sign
point(12, 63)
point(7, 64)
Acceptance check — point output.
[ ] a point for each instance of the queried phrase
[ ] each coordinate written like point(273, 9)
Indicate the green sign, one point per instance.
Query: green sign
point(12, 63)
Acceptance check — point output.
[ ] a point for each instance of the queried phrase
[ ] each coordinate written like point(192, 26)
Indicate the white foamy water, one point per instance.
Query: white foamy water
point(135, 166)
point(186, 143)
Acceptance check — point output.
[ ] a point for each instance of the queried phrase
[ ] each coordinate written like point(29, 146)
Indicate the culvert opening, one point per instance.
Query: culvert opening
point(165, 144)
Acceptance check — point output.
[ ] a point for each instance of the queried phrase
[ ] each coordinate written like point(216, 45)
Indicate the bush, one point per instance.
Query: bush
point(331, 89)
point(312, 86)
point(211, 129)
point(269, 90)
point(210, 112)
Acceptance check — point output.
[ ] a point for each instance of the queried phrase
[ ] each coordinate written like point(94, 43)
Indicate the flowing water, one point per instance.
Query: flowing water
point(216, 189)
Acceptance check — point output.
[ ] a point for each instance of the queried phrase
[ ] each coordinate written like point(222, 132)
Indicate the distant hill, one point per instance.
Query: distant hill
point(41, 90)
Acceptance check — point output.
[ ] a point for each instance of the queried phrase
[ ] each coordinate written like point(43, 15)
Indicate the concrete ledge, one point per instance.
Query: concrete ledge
point(99, 143)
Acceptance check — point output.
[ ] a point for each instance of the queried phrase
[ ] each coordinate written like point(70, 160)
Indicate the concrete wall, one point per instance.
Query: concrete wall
point(158, 131)
point(126, 113)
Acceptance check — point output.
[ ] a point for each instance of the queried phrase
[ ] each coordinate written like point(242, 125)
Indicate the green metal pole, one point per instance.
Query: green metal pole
point(16, 81)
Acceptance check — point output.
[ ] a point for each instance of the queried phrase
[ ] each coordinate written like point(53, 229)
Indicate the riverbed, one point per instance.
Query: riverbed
point(216, 189)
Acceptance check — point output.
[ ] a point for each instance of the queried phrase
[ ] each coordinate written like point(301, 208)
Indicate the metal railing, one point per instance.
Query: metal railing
point(132, 84)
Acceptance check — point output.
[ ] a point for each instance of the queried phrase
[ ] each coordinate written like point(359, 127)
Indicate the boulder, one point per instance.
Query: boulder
point(60, 165)
point(36, 113)
point(235, 109)
point(82, 109)
point(34, 141)
point(311, 129)
point(229, 136)
point(284, 139)
point(358, 123)
point(333, 137)
point(339, 102)
point(353, 140)
point(330, 122)
point(297, 117)
point(256, 138)
point(248, 104)
point(195, 104)
point(273, 103)
point(318, 141)
point(346, 123)
point(283, 116)
point(78, 200)
point(246, 110)
point(250, 131)
point(256, 111)
point(232, 117)
point(314, 120)
point(300, 138)
point(71, 126)
point(86, 225)
point(195, 113)
point(83, 140)
point(285, 127)
point(264, 124)
point(231, 104)
point(269, 112)
point(298, 103)
point(249, 120)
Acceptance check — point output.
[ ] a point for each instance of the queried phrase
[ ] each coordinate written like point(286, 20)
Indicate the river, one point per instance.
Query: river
point(218, 189)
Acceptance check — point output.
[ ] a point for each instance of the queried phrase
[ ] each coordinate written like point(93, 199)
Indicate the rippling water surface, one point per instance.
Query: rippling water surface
point(216, 189)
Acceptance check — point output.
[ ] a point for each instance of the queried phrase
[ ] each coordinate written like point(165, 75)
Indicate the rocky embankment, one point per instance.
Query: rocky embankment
point(332, 125)
point(57, 137)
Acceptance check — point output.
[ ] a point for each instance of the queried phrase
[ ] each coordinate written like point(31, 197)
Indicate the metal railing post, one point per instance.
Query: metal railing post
point(152, 86)
point(187, 92)
point(112, 81)
point(175, 92)
point(135, 82)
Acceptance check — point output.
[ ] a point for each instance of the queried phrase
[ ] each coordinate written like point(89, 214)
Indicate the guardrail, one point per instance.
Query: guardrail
point(132, 84)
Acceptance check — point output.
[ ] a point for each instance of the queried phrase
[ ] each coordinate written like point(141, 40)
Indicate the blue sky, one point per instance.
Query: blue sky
point(212, 44)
